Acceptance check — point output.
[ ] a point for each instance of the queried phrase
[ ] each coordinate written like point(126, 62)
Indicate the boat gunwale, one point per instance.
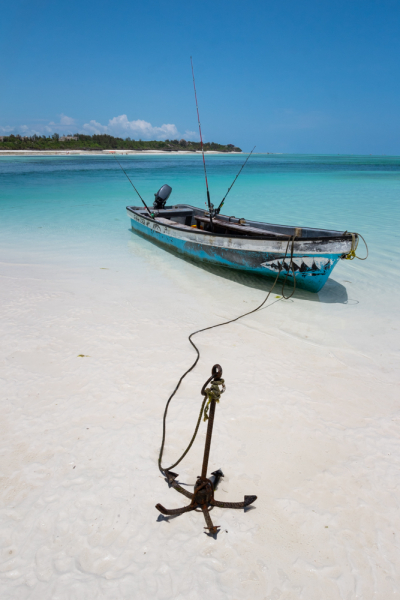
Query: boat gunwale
point(341, 237)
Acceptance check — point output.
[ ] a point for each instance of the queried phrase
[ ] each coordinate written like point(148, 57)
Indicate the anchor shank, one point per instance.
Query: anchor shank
point(203, 493)
point(208, 439)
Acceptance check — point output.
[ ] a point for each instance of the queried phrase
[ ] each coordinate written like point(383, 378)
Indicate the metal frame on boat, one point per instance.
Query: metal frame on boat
point(247, 245)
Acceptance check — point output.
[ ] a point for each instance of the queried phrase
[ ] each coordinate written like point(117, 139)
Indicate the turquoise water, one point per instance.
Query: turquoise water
point(71, 210)
point(75, 206)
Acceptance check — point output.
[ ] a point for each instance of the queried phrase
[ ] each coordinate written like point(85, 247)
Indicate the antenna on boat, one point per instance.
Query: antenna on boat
point(147, 208)
point(210, 206)
point(217, 210)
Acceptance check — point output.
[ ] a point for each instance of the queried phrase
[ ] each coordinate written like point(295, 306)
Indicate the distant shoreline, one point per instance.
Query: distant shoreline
point(103, 152)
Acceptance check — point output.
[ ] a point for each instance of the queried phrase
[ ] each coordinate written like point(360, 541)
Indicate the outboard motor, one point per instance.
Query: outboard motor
point(162, 196)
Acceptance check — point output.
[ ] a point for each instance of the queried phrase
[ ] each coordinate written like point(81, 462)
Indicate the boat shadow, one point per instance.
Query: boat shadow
point(332, 292)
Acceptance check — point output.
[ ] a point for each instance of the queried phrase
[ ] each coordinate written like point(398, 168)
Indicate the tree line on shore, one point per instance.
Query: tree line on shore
point(80, 141)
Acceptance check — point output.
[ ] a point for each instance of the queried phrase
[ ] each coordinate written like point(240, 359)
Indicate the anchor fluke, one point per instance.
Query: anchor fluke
point(217, 476)
point(249, 500)
point(173, 511)
point(202, 498)
point(214, 529)
point(170, 476)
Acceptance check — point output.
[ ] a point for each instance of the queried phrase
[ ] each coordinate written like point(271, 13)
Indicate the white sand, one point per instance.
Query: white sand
point(102, 152)
point(309, 422)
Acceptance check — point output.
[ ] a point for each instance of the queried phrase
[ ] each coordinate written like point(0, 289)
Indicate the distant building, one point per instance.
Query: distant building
point(67, 138)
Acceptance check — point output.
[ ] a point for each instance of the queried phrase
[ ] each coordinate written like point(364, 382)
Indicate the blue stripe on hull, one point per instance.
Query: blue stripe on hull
point(311, 271)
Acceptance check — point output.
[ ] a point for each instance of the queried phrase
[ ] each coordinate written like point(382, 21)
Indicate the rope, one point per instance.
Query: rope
point(213, 393)
point(163, 469)
point(287, 273)
point(354, 245)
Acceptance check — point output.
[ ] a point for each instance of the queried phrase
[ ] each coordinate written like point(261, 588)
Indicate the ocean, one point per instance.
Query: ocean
point(80, 199)
point(73, 208)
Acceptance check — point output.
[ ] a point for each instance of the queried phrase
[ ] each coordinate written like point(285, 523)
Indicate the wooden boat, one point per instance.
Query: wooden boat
point(251, 246)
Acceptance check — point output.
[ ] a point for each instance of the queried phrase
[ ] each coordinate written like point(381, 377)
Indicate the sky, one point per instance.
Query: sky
point(311, 76)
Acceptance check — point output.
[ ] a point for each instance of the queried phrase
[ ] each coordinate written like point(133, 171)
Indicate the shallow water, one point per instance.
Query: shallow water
point(72, 209)
point(61, 193)
point(94, 324)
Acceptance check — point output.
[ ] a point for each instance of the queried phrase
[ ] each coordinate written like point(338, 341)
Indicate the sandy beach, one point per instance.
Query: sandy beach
point(94, 338)
point(39, 153)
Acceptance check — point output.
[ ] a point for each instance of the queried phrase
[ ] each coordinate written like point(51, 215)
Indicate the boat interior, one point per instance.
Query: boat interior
point(184, 216)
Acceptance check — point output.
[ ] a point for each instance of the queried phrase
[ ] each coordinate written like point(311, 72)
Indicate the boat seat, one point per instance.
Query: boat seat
point(176, 212)
point(176, 224)
point(241, 228)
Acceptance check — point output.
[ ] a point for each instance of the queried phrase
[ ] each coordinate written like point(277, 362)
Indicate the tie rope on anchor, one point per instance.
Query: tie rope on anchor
point(212, 393)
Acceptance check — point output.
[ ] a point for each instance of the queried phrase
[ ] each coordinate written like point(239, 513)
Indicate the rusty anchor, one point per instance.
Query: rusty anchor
point(202, 499)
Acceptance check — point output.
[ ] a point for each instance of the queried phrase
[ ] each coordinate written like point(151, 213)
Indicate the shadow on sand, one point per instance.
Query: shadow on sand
point(332, 292)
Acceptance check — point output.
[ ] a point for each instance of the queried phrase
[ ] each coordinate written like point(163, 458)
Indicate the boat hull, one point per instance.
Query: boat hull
point(313, 260)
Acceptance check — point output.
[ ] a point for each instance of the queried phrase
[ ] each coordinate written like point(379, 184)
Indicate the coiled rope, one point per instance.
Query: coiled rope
point(354, 245)
point(163, 469)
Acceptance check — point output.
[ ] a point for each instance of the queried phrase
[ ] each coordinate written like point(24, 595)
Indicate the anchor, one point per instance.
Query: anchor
point(202, 499)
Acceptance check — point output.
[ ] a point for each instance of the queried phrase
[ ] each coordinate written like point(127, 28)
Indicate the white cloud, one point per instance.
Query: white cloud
point(25, 130)
point(117, 126)
point(64, 120)
point(94, 127)
point(192, 136)
point(138, 129)
point(64, 126)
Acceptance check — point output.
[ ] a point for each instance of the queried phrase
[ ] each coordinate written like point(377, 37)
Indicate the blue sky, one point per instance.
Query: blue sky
point(289, 76)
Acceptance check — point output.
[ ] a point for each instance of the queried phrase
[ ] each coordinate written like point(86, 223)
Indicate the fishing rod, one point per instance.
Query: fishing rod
point(217, 210)
point(147, 208)
point(210, 206)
